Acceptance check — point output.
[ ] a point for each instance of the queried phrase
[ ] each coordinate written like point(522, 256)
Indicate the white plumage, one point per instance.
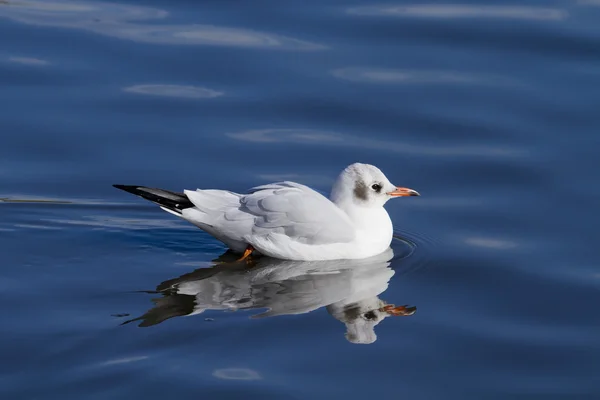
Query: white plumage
point(287, 220)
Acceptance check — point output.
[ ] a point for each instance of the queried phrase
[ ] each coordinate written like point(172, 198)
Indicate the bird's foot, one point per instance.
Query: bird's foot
point(247, 253)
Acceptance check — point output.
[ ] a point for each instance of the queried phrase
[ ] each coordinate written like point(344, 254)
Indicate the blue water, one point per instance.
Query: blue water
point(489, 110)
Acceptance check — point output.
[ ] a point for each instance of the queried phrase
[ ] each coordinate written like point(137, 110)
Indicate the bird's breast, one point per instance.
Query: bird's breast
point(374, 229)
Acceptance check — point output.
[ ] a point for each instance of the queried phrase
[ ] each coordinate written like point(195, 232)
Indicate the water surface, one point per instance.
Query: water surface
point(488, 109)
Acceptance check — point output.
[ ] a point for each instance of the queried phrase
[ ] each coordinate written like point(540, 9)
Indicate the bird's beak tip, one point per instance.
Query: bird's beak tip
point(403, 192)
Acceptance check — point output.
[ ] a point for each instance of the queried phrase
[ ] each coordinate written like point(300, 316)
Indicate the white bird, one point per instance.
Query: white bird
point(290, 221)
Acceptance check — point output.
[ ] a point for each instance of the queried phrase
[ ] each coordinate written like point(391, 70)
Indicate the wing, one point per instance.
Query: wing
point(298, 212)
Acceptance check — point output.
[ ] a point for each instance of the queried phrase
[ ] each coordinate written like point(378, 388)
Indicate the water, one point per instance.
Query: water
point(489, 110)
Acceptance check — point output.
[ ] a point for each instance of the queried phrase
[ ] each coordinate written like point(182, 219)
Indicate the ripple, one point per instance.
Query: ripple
point(33, 200)
point(308, 136)
point(398, 76)
point(212, 36)
point(241, 374)
point(449, 11)
point(287, 135)
point(186, 92)
point(125, 360)
point(589, 2)
point(124, 223)
point(75, 14)
point(33, 226)
point(119, 20)
point(490, 243)
point(28, 61)
point(412, 251)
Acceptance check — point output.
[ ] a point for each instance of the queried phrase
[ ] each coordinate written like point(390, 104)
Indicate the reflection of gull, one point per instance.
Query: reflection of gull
point(349, 290)
point(115, 20)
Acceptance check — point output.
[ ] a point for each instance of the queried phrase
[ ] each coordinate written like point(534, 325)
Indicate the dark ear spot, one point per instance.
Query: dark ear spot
point(351, 312)
point(360, 191)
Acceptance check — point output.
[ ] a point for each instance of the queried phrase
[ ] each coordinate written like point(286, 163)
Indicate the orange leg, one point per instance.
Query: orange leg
point(247, 253)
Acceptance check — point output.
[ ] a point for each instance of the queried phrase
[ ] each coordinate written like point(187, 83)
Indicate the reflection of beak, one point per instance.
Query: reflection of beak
point(400, 311)
point(401, 192)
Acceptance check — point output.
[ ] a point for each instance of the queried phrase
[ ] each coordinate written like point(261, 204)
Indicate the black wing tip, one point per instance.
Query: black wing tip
point(134, 189)
point(124, 187)
point(171, 200)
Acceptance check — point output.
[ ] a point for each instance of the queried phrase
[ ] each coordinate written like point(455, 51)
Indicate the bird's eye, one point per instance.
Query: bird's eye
point(370, 315)
point(376, 187)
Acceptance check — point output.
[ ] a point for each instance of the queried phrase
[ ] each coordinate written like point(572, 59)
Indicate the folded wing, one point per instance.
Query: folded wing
point(278, 219)
point(298, 212)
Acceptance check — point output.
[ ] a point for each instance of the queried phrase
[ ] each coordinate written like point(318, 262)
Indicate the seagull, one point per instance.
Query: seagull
point(290, 221)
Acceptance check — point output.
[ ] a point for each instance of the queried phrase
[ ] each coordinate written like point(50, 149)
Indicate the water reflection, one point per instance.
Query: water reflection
point(462, 11)
point(348, 289)
point(120, 21)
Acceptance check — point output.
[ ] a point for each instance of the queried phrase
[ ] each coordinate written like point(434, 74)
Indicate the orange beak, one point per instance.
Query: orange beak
point(402, 192)
point(398, 311)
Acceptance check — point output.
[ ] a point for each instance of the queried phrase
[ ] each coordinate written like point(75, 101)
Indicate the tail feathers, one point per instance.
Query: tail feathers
point(169, 201)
